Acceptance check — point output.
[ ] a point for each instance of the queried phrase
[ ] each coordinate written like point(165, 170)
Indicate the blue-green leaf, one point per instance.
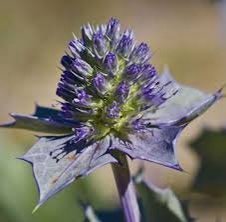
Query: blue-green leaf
point(44, 119)
point(58, 161)
point(187, 104)
point(152, 144)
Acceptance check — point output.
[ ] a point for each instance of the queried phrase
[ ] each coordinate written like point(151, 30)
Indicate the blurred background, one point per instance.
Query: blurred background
point(189, 36)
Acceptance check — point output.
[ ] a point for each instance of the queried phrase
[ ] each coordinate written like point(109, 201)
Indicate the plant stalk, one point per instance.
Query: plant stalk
point(126, 189)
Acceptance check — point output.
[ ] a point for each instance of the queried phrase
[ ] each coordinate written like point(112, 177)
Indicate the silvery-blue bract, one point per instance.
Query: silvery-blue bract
point(112, 99)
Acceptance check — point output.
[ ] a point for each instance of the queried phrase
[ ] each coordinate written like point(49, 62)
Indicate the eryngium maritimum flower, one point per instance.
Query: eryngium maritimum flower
point(112, 99)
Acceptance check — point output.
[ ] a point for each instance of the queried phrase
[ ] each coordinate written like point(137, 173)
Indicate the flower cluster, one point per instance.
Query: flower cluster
point(112, 99)
point(107, 80)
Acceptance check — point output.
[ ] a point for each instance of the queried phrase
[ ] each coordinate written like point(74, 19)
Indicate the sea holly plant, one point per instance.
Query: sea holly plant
point(113, 104)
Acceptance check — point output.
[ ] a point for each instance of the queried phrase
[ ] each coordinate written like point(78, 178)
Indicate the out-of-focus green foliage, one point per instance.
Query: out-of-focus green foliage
point(210, 146)
point(160, 204)
point(156, 204)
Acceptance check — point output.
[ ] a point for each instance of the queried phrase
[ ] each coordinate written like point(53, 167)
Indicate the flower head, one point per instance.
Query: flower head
point(112, 98)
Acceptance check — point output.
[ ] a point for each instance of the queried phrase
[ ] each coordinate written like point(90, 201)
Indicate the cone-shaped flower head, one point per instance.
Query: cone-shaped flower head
point(112, 98)
point(107, 80)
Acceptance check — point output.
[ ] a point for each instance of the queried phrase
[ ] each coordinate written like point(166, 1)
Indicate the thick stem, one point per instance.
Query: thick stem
point(126, 189)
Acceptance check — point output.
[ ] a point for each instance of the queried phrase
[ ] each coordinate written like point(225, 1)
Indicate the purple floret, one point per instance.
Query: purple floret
point(113, 28)
point(99, 82)
point(113, 110)
point(141, 53)
point(100, 44)
point(125, 45)
point(122, 91)
point(110, 62)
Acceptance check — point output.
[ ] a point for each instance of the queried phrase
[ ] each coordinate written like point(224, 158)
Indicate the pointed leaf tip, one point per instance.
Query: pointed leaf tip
point(220, 94)
point(156, 145)
point(36, 208)
point(44, 119)
point(58, 161)
point(186, 105)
